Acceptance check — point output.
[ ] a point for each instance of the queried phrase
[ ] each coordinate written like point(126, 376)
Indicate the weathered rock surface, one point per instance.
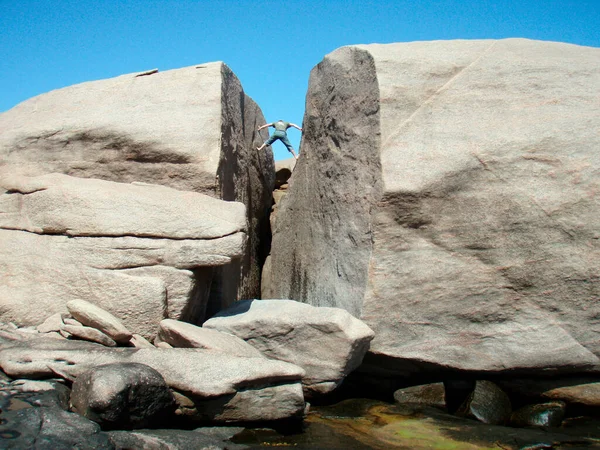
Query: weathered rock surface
point(185, 335)
point(50, 429)
point(202, 438)
point(426, 394)
point(326, 342)
point(122, 395)
point(141, 252)
point(89, 334)
point(192, 129)
point(541, 415)
point(91, 315)
point(447, 194)
point(224, 387)
point(576, 391)
point(487, 403)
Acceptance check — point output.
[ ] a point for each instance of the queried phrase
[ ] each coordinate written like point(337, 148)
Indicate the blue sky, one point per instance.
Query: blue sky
point(270, 45)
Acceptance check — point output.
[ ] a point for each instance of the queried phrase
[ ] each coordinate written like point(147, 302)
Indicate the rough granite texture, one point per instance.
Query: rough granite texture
point(447, 194)
point(192, 129)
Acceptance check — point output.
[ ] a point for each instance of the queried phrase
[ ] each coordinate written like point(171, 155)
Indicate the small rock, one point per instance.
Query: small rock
point(95, 317)
point(426, 394)
point(542, 415)
point(122, 395)
point(139, 341)
point(488, 404)
point(52, 323)
point(89, 334)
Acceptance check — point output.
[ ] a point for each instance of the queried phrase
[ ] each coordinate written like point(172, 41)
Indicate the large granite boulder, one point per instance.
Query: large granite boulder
point(447, 194)
point(192, 129)
point(141, 252)
point(328, 343)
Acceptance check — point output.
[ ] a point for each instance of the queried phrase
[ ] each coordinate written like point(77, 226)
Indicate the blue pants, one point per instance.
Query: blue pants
point(282, 136)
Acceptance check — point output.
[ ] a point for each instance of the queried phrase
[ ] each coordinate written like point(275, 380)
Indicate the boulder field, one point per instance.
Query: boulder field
point(447, 195)
point(441, 225)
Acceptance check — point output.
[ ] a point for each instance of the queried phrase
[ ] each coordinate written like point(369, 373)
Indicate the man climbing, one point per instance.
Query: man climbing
point(280, 133)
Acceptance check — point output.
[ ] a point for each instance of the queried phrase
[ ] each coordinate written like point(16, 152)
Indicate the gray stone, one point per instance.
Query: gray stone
point(447, 196)
point(50, 428)
point(326, 342)
point(122, 395)
point(93, 316)
point(488, 404)
point(426, 394)
point(202, 438)
point(185, 335)
point(192, 129)
point(542, 415)
point(576, 391)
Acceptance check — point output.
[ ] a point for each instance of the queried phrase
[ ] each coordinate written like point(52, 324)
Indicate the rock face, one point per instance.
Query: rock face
point(328, 343)
point(142, 252)
point(191, 129)
point(447, 194)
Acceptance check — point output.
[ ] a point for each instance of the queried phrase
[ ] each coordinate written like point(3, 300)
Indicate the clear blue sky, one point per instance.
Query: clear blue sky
point(270, 45)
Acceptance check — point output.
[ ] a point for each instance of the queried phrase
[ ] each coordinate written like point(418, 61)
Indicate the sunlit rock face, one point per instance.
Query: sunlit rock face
point(191, 129)
point(447, 194)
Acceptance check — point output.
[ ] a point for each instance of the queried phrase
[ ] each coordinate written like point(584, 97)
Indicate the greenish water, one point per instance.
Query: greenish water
point(369, 424)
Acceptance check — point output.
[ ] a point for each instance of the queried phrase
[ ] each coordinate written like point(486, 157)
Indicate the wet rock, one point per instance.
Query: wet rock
point(50, 429)
point(122, 395)
point(185, 335)
point(176, 439)
point(487, 403)
point(580, 393)
point(326, 342)
point(542, 415)
point(48, 393)
point(426, 394)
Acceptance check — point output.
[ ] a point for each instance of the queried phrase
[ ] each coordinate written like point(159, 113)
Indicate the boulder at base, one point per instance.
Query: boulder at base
point(191, 129)
point(122, 395)
point(448, 195)
point(326, 342)
point(223, 387)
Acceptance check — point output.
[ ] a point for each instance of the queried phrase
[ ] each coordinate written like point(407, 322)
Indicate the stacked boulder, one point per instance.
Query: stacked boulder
point(192, 130)
point(256, 361)
point(453, 204)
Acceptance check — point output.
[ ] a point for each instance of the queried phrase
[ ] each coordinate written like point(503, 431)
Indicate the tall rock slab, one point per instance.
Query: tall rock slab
point(143, 252)
point(192, 129)
point(448, 195)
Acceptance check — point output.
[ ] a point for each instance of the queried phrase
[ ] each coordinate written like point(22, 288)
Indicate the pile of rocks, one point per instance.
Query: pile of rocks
point(256, 361)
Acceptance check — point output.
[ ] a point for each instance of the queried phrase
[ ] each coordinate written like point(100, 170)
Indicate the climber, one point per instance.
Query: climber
point(281, 134)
